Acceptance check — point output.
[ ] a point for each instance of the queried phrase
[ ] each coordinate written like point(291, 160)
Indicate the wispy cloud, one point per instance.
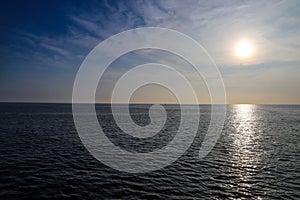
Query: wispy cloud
point(219, 25)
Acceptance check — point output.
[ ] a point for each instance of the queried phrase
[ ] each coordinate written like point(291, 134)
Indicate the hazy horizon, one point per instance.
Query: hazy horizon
point(137, 103)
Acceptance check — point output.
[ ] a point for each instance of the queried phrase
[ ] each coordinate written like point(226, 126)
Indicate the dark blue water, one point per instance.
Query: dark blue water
point(257, 156)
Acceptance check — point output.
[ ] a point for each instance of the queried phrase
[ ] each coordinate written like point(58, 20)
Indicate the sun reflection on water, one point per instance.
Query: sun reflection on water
point(245, 140)
point(243, 122)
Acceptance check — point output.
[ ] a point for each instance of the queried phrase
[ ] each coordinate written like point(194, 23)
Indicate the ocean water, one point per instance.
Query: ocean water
point(256, 157)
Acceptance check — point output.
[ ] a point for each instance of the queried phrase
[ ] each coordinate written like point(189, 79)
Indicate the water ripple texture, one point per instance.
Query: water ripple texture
point(256, 157)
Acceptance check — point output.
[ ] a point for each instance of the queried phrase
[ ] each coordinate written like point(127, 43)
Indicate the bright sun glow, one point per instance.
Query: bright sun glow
point(244, 49)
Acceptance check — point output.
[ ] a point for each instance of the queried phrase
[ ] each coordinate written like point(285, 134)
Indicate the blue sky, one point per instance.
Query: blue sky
point(42, 44)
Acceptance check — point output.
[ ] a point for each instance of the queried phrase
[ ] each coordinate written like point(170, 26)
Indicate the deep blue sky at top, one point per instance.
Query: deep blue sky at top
point(42, 43)
point(50, 18)
point(39, 17)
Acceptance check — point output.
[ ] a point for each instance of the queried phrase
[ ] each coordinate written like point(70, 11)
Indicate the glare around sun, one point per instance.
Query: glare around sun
point(244, 49)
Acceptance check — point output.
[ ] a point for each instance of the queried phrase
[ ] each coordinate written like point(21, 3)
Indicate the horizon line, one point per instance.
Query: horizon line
point(139, 103)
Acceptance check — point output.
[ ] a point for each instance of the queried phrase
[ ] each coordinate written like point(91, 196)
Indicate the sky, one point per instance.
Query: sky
point(43, 43)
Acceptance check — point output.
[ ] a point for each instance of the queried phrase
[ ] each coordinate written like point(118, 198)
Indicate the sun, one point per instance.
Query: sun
point(244, 49)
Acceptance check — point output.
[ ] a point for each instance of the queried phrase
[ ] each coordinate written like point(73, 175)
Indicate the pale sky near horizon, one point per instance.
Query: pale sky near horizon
point(43, 43)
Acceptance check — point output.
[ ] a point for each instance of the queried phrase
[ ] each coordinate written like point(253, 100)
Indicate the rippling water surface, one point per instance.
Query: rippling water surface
point(257, 156)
